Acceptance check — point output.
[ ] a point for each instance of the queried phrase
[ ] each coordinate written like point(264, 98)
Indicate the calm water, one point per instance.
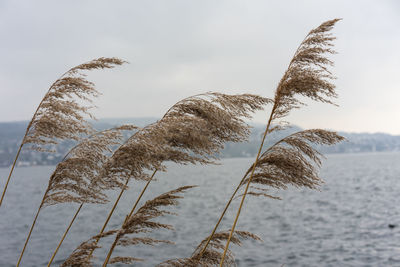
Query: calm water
point(346, 224)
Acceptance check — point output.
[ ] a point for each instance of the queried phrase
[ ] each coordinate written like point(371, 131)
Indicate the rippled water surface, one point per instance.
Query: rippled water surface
point(345, 224)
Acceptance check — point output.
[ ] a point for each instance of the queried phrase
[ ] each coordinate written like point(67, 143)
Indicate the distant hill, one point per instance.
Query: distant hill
point(11, 134)
point(366, 142)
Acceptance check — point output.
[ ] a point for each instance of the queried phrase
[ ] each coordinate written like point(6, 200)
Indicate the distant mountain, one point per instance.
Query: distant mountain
point(11, 134)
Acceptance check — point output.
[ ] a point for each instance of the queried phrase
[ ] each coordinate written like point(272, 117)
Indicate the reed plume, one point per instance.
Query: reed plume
point(142, 221)
point(307, 75)
point(77, 178)
point(60, 114)
point(192, 131)
point(291, 161)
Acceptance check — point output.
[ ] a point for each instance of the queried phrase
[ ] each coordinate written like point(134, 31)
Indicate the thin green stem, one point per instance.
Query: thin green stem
point(220, 218)
point(11, 171)
point(30, 231)
point(247, 186)
point(63, 237)
point(114, 244)
point(109, 215)
point(140, 196)
point(276, 104)
point(126, 219)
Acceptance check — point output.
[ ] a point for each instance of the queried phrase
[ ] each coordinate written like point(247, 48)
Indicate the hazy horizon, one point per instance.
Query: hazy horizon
point(251, 122)
point(180, 48)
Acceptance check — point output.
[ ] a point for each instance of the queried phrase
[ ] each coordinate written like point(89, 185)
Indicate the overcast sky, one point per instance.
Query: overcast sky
point(180, 48)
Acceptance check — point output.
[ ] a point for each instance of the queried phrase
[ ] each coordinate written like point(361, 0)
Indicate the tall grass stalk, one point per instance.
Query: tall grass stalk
point(110, 213)
point(115, 205)
point(76, 179)
point(189, 132)
point(192, 131)
point(245, 192)
point(127, 218)
point(140, 222)
point(64, 235)
point(220, 218)
point(58, 115)
point(309, 72)
point(290, 161)
point(30, 231)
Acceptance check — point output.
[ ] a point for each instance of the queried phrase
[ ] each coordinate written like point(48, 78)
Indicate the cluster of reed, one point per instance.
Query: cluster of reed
point(193, 131)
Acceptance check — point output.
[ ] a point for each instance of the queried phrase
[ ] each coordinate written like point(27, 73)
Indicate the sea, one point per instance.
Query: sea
point(353, 220)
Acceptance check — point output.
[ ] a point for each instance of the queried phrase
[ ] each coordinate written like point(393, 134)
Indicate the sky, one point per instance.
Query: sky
point(180, 48)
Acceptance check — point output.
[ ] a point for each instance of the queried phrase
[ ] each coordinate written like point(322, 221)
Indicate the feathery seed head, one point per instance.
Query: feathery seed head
point(78, 178)
point(60, 116)
point(193, 131)
point(291, 161)
point(308, 74)
point(140, 222)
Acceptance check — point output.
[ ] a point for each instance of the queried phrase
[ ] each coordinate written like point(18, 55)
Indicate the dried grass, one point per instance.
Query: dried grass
point(60, 115)
point(142, 221)
point(79, 177)
point(193, 131)
point(293, 160)
point(308, 76)
point(58, 119)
